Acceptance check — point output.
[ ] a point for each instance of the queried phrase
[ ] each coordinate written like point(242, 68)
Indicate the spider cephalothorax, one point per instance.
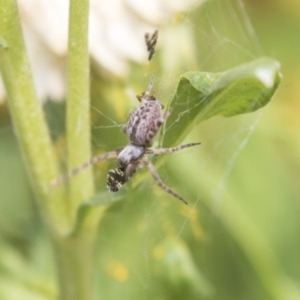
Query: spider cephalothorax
point(143, 124)
point(128, 162)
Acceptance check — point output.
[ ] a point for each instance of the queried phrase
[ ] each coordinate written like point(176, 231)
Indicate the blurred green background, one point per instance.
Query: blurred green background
point(240, 236)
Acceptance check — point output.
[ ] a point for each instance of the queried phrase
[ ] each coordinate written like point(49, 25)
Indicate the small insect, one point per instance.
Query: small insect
point(143, 124)
point(151, 43)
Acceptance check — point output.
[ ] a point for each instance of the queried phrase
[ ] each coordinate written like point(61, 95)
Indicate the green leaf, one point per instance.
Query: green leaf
point(202, 95)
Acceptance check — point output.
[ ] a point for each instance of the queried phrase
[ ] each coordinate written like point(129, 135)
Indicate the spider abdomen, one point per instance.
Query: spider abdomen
point(144, 122)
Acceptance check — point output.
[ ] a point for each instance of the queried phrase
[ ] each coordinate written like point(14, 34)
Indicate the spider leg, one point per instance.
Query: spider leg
point(149, 88)
point(146, 95)
point(102, 157)
point(155, 176)
point(169, 150)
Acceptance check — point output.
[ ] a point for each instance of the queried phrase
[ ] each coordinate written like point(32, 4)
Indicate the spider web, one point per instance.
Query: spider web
point(150, 235)
point(151, 246)
point(214, 38)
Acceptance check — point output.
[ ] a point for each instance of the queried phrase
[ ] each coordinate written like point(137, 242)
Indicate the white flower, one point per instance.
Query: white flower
point(116, 35)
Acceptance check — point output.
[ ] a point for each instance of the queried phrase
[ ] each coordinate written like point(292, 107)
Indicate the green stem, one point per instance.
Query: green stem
point(74, 257)
point(78, 104)
point(75, 253)
point(81, 186)
point(28, 119)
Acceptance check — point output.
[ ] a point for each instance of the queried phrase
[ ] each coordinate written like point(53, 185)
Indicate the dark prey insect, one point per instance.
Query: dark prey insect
point(143, 124)
point(151, 43)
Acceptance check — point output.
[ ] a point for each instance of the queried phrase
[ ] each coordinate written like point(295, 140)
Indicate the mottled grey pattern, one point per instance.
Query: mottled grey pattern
point(144, 123)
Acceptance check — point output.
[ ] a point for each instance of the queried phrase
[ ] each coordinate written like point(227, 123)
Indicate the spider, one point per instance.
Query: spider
point(151, 43)
point(143, 124)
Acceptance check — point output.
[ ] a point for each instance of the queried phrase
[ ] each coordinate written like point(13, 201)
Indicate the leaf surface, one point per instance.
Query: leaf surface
point(202, 95)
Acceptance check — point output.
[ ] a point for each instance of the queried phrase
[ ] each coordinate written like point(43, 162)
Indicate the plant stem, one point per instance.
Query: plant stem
point(78, 104)
point(74, 256)
point(28, 119)
point(75, 252)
